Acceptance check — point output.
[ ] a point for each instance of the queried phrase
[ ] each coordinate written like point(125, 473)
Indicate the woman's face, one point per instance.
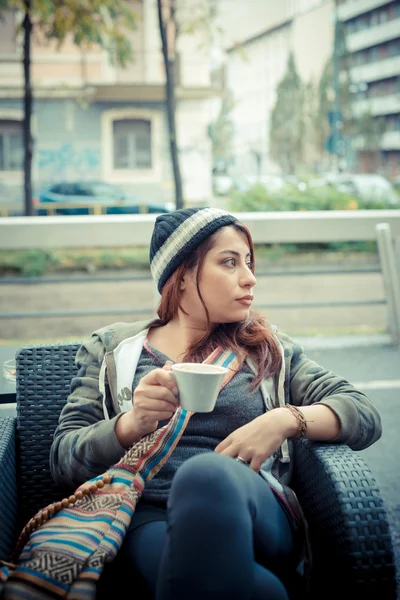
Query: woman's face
point(226, 281)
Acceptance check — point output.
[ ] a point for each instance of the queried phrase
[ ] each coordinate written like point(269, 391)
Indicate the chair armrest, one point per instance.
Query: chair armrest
point(349, 529)
point(8, 488)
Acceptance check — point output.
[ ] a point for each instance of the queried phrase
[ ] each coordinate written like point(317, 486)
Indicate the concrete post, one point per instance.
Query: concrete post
point(390, 278)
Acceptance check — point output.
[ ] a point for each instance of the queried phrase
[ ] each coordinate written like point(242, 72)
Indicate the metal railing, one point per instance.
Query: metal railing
point(382, 226)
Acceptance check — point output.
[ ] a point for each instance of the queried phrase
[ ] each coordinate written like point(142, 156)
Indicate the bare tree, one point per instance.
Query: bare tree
point(27, 127)
point(168, 32)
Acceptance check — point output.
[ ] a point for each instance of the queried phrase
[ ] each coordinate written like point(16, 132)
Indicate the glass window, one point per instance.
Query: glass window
point(375, 17)
point(68, 189)
point(383, 16)
point(82, 189)
point(105, 189)
point(383, 51)
point(132, 144)
point(11, 145)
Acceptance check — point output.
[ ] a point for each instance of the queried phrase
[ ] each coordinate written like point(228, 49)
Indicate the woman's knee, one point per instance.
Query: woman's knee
point(207, 475)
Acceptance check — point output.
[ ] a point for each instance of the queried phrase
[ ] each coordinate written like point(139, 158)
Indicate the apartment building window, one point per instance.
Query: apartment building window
point(394, 47)
point(11, 145)
point(383, 51)
point(383, 16)
point(132, 144)
point(392, 123)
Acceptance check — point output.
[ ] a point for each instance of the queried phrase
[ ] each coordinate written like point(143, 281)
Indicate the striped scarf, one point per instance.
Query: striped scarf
point(63, 555)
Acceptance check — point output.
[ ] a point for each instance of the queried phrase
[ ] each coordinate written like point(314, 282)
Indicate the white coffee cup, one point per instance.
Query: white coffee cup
point(199, 385)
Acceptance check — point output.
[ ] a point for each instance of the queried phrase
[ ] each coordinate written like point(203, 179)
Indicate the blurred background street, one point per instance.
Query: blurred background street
point(269, 106)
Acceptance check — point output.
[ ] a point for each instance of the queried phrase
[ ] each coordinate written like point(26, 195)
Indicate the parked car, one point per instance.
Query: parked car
point(272, 183)
point(94, 193)
point(369, 187)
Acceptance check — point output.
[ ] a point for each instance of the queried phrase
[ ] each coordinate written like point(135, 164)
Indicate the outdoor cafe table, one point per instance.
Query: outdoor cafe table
point(7, 388)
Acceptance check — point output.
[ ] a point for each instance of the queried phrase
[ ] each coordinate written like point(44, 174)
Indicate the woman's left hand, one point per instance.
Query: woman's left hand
point(259, 439)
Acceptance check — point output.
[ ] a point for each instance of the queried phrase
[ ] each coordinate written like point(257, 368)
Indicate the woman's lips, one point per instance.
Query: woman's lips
point(245, 301)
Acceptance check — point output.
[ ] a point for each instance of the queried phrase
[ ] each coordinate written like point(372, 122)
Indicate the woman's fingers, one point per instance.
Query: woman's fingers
point(155, 405)
point(154, 392)
point(161, 415)
point(161, 377)
point(223, 446)
point(229, 449)
point(255, 464)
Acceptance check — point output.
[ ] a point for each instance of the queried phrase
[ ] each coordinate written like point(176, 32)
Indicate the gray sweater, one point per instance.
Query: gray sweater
point(204, 431)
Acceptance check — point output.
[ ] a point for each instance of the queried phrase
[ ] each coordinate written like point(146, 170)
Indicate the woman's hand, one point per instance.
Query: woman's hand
point(259, 439)
point(155, 399)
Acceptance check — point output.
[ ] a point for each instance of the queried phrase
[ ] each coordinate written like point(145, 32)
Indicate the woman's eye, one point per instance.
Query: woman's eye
point(250, 265)
point(230, 262)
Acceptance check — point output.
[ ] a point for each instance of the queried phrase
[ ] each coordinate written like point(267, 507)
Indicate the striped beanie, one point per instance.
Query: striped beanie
point(176, 235)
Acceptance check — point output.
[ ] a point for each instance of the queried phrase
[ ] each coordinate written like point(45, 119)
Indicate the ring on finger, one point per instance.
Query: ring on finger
point(241, 460)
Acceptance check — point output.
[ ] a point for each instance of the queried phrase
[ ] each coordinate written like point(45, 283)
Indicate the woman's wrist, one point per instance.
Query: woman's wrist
point(287, 422)
point(126, 431)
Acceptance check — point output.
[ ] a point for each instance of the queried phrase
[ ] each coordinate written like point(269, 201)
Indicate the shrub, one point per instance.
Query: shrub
point(33, 263)
point(258, 198)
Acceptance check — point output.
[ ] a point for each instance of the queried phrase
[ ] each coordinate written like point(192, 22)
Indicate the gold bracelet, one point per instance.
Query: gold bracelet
point(302, 430)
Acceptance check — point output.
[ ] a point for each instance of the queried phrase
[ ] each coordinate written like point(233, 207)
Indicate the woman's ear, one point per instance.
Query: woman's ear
point(187, 279)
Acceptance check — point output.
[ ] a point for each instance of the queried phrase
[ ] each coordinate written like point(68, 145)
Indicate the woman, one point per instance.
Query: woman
point(208, 525)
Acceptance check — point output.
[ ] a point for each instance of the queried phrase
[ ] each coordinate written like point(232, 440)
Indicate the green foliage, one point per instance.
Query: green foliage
point(289, 198)
point(106, 23)
point(257, 198)
point(287, 120)
point(221, 130)
point(29, 263)
point(33, 263)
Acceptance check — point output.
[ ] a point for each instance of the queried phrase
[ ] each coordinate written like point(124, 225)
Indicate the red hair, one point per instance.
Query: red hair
point(253, 336)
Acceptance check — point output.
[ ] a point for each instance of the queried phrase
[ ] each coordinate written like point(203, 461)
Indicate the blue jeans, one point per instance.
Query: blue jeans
point(226, 537)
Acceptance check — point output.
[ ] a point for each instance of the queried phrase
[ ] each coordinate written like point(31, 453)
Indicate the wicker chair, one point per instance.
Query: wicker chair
point(349, 529)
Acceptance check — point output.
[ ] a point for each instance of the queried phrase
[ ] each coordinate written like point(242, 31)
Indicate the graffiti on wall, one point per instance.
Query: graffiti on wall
point(68, 162)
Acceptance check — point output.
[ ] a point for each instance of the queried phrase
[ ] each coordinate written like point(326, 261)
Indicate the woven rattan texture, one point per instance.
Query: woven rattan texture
point(348, 523)
point(44, 376)
point(8, 487)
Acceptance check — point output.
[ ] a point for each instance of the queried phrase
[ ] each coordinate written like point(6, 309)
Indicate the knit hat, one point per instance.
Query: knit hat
point(176, 235)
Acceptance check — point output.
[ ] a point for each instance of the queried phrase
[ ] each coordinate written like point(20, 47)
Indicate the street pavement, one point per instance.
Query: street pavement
point(371, 363)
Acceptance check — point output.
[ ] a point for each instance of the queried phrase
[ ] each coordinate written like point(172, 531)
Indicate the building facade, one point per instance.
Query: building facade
point(94, 120)
point(372, 36)
point(258, 43)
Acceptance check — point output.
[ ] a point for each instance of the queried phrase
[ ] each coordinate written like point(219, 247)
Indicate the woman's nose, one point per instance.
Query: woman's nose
point(249, 279)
